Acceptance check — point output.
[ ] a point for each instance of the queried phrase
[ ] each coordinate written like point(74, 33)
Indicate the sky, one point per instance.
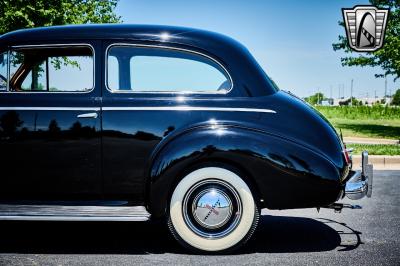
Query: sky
point(292, 40)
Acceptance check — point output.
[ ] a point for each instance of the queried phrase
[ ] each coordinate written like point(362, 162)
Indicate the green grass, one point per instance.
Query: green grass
point(376, 112)
point(364, 121)
point(386, 129)
point(380, 149)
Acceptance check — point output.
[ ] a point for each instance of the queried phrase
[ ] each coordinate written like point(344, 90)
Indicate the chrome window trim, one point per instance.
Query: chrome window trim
point(165, 92)
point(50, 46)
point(8, 70)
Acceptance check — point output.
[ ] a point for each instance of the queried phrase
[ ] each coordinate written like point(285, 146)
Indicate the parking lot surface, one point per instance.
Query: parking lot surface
point(370, 236)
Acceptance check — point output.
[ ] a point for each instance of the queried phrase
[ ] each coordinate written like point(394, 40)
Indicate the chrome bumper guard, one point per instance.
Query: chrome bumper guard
point(360, 183)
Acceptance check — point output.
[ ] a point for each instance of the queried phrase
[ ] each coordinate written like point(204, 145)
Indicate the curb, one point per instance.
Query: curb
point(379, 161)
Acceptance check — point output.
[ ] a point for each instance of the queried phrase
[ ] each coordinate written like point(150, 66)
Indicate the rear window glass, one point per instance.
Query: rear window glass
point(139, 69)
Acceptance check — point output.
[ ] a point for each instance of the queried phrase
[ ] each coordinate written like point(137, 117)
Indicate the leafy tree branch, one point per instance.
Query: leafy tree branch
point(22, 14)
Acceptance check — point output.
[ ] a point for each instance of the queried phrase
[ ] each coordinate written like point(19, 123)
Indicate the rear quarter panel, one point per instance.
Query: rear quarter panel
point(280, 172)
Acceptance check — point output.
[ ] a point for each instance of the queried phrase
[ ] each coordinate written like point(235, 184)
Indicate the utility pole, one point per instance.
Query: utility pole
point(384, 97)
point(35, 122)
point(343, 95)
point(351, 93)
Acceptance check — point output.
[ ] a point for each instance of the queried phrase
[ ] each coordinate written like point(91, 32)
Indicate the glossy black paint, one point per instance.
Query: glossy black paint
point(291, 157)
point(47, 154)
point(289, 164)
point(50, 155)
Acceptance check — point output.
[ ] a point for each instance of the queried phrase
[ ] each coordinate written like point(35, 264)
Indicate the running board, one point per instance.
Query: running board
point(73, 213)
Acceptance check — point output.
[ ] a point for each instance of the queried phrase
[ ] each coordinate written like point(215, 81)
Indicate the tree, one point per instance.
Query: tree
point(21, 14)
point(315, 99)
point(10, 122)
point(388, 57)
point(396, 98)
point(345, 102)
point(355, 102)
point(54, 129)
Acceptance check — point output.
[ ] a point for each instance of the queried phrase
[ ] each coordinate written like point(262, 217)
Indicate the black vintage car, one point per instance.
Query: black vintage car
point(128, 123)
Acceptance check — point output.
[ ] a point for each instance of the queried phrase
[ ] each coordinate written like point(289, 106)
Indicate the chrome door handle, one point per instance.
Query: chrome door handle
point(87, 115)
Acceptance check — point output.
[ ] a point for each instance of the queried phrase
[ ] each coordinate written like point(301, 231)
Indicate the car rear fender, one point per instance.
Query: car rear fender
point(280, 170)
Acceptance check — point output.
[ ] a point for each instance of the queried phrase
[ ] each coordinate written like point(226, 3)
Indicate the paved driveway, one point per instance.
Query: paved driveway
point(370, 236)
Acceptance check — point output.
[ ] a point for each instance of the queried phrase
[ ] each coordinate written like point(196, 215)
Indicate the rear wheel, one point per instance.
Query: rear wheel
point(212, 209)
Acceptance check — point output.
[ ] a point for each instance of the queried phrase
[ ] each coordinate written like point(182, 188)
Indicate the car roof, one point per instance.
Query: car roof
point(168, 34)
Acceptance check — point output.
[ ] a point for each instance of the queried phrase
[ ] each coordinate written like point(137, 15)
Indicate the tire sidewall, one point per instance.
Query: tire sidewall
point(208, 244)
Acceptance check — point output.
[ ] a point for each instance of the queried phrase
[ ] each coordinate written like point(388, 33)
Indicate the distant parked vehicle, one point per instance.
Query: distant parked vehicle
point(128, 123)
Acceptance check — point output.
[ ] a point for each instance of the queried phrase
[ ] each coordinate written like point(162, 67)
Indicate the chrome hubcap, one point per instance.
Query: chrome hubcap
point(212, 208)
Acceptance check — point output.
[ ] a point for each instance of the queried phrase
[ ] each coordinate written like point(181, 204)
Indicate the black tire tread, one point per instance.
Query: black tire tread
point(226, 251)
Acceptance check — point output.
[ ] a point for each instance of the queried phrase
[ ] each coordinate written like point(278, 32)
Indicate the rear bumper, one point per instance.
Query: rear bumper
point(359, 184)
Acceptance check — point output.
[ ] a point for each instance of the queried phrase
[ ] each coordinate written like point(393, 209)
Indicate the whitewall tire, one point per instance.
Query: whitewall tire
point(212, 209)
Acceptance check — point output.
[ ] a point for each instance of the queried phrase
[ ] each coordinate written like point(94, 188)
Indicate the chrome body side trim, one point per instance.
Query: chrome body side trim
point(95, 109)
point(160, 108)
point(188, 108)
point(166, 48)
point(88, 115)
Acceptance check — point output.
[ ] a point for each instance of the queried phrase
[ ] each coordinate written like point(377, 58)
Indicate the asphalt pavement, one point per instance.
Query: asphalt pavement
point(370, 236)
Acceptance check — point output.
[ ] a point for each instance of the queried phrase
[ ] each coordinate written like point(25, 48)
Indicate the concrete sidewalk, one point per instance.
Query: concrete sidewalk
point(356, 140)
point(380, 162)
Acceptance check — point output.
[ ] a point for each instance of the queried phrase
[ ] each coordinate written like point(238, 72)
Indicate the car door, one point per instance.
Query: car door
point(50, 146)
point(147, 90)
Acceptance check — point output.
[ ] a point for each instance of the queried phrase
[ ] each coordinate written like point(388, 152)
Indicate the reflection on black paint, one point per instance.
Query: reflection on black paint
point(169, 130)
point(209, 149)
point(54, 129)
point(79, 131)
point(49, 155)
point(302, 163)
point(281, 160)
point(9, 123)
point(139, 135)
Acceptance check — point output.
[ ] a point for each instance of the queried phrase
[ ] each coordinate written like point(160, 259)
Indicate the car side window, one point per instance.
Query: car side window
point(51, 69)
point(3, 71)
point(148, 69)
